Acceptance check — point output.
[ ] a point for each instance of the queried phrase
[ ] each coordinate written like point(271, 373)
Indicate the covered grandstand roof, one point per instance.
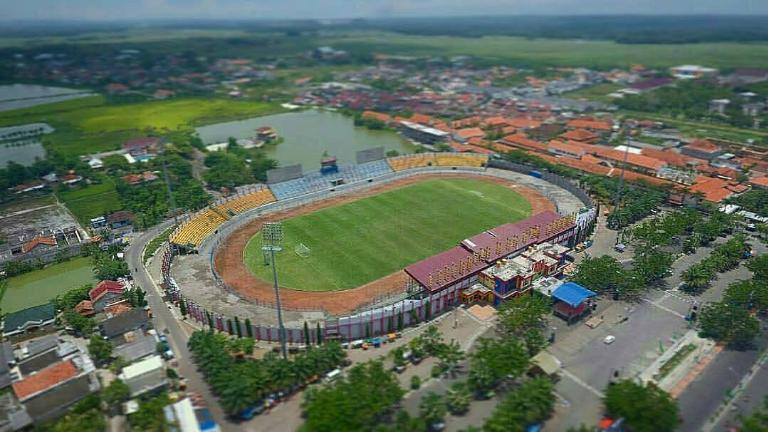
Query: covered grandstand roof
point(478, 252)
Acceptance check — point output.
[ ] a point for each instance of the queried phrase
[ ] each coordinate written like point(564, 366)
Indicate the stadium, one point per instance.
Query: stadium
point(385, 240)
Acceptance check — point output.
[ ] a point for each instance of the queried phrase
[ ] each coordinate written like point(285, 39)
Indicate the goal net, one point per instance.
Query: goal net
point(302, 250)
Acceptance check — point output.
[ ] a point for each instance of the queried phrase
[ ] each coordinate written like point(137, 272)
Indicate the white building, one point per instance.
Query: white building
point(692, 71)
point(145, 376)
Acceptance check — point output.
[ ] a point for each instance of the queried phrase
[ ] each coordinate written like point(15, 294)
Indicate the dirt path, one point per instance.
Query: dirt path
point(229, 258)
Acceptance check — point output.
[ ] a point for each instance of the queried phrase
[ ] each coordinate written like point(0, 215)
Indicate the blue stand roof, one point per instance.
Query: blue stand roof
point(572, 293)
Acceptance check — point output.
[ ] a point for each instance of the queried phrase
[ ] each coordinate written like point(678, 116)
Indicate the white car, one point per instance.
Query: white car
point(609, 339)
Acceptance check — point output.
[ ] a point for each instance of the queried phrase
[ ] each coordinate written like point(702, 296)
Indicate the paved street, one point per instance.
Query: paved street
point(163, 319)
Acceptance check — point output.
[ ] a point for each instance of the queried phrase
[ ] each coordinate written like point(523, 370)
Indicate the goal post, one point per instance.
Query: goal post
point(302, 250)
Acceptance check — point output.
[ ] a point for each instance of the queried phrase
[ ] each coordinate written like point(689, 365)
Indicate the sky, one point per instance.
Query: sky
point(334, 9)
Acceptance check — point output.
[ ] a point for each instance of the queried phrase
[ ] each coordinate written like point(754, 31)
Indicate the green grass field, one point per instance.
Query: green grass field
point(555, 52)
point(361, 241)
point(40, 286)
point(91, 201)
point(91, 124)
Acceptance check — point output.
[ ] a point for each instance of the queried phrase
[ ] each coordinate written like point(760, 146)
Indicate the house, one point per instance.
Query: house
point(117, 88)
point(96, 163)
point(85, 308)
point(759, 182)
point(572, 301)
point(464, 135)
point(718, 106)
point(521, 141)
point(28, 320)
point(565, 149)
point(748, 76)
point(753, 109)
point(134, 319)
point(13, 415)
point(692, 72)
point(597, 126)
point(70, 179)
point(161, 94)
point(523, 123)
point(647, 85)
point(145, 376)
point(32, 186)
point(6, 361)
point(142, 146)
point(711, 188)
point(423, 134)
point(120, 219)
point(104, 293)
point(373, 115)
point(702, 149)
point(38, 354)
point(117, 308)
point(134, 345)
point(39, 243)
point(581, 135)
point(48, 393)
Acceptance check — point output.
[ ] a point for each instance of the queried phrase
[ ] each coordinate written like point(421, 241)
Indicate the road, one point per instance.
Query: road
point(163, 318)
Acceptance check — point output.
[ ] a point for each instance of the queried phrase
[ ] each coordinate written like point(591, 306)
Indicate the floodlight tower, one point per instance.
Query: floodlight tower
point(272, 236)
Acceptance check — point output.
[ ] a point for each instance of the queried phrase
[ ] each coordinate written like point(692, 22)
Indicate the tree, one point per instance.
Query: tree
point(306, 334)
point(238, 329)
point(230, 329)
point(183, 311)
point(522, 317)
point(356, 402)
point(728, 323)
point(432, 408)
point(494, 360)
point(149, 416)
point(652, 264)
point(458, 398)
point(529, 403)
point(450, 355)
point(116, 393)
point(80, 324)
point(100, 349)
point(106, 268)
point(249, 328)
point(748, 294)
point(603, 275)
point(644, 408)
point(757, 421)
point(759, 266)
point(319, 334)
point(697, 277)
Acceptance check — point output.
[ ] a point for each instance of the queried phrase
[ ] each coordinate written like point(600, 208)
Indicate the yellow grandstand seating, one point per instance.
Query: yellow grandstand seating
point(198, 228)
point(248, 201)
point(411, 161)
point(461, 159)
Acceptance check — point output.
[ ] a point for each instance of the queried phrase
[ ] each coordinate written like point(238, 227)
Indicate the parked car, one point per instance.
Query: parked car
point(609, 339)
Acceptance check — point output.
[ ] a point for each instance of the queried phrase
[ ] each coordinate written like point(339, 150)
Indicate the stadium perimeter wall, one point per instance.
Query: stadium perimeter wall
point(375, 320)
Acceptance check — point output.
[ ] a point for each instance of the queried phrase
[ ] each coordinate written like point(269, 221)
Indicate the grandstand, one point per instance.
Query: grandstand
point(199, 227)
point(317, 181)
point(247, 201)
point(412, 161)
point(461, 159)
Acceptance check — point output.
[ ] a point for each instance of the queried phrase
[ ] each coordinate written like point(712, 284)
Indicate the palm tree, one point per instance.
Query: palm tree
point(697, 277)
point(450, 356)
point(458, 398)
point(432, 408)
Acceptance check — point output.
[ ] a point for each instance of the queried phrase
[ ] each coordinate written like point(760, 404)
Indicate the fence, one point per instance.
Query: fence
point(405, 310)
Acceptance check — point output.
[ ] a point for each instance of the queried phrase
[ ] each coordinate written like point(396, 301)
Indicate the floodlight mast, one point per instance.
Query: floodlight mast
point(272, 236)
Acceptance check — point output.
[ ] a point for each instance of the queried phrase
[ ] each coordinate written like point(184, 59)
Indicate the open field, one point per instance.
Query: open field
point(91, 201)
point(597, 92)
point(91, 125)
point(556, 52)
point(40, 286)
point(364, 240)
point(125, 36)
point(706, 130)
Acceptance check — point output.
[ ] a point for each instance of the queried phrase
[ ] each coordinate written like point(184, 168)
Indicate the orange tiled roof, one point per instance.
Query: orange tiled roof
point(713, 189)
point(35, 242)
point(760, 181)
point(470, 133)
point(523, 123)
point(673, 158)
point(590, 124)
point(580, 135)
point(385, 118)
point(480, 150)
point(45, 379)
point(566, 148)
point(703, 145)
point(85, 307)
point(466, 122)
point(118, 308)
point(421, 118)
point(521, 141)
point(496, 121)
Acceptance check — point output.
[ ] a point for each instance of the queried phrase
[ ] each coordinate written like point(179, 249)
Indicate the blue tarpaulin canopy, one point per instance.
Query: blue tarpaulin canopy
point(572, 293)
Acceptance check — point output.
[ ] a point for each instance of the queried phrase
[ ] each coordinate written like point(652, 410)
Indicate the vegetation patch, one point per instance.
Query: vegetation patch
point(41, 286)
point(675, 360)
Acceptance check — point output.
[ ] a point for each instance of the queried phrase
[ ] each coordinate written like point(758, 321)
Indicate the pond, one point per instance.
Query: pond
point(22, 152)
point(307, 135)
point(16, 96)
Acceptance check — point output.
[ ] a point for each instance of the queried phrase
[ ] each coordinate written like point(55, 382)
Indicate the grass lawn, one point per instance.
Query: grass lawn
point(597, 92)
point(91, 124)
point(40, 286)
point(555, 52)
point(91, 201)
point(358, 242)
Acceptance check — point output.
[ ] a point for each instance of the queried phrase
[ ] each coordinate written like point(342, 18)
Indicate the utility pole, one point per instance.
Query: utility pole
point(272, 237)
point(620, 190)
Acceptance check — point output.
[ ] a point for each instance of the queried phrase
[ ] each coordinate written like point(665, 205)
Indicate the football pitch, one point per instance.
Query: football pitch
point(358, 242)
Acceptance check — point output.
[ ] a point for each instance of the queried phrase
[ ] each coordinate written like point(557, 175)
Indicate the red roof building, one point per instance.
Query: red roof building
point(38, 241)
point(581, 135)
point(761, 182)
point(590, 124)
point(713, 189)
point(104, 288)
point(521, 141)
point(45, 379)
